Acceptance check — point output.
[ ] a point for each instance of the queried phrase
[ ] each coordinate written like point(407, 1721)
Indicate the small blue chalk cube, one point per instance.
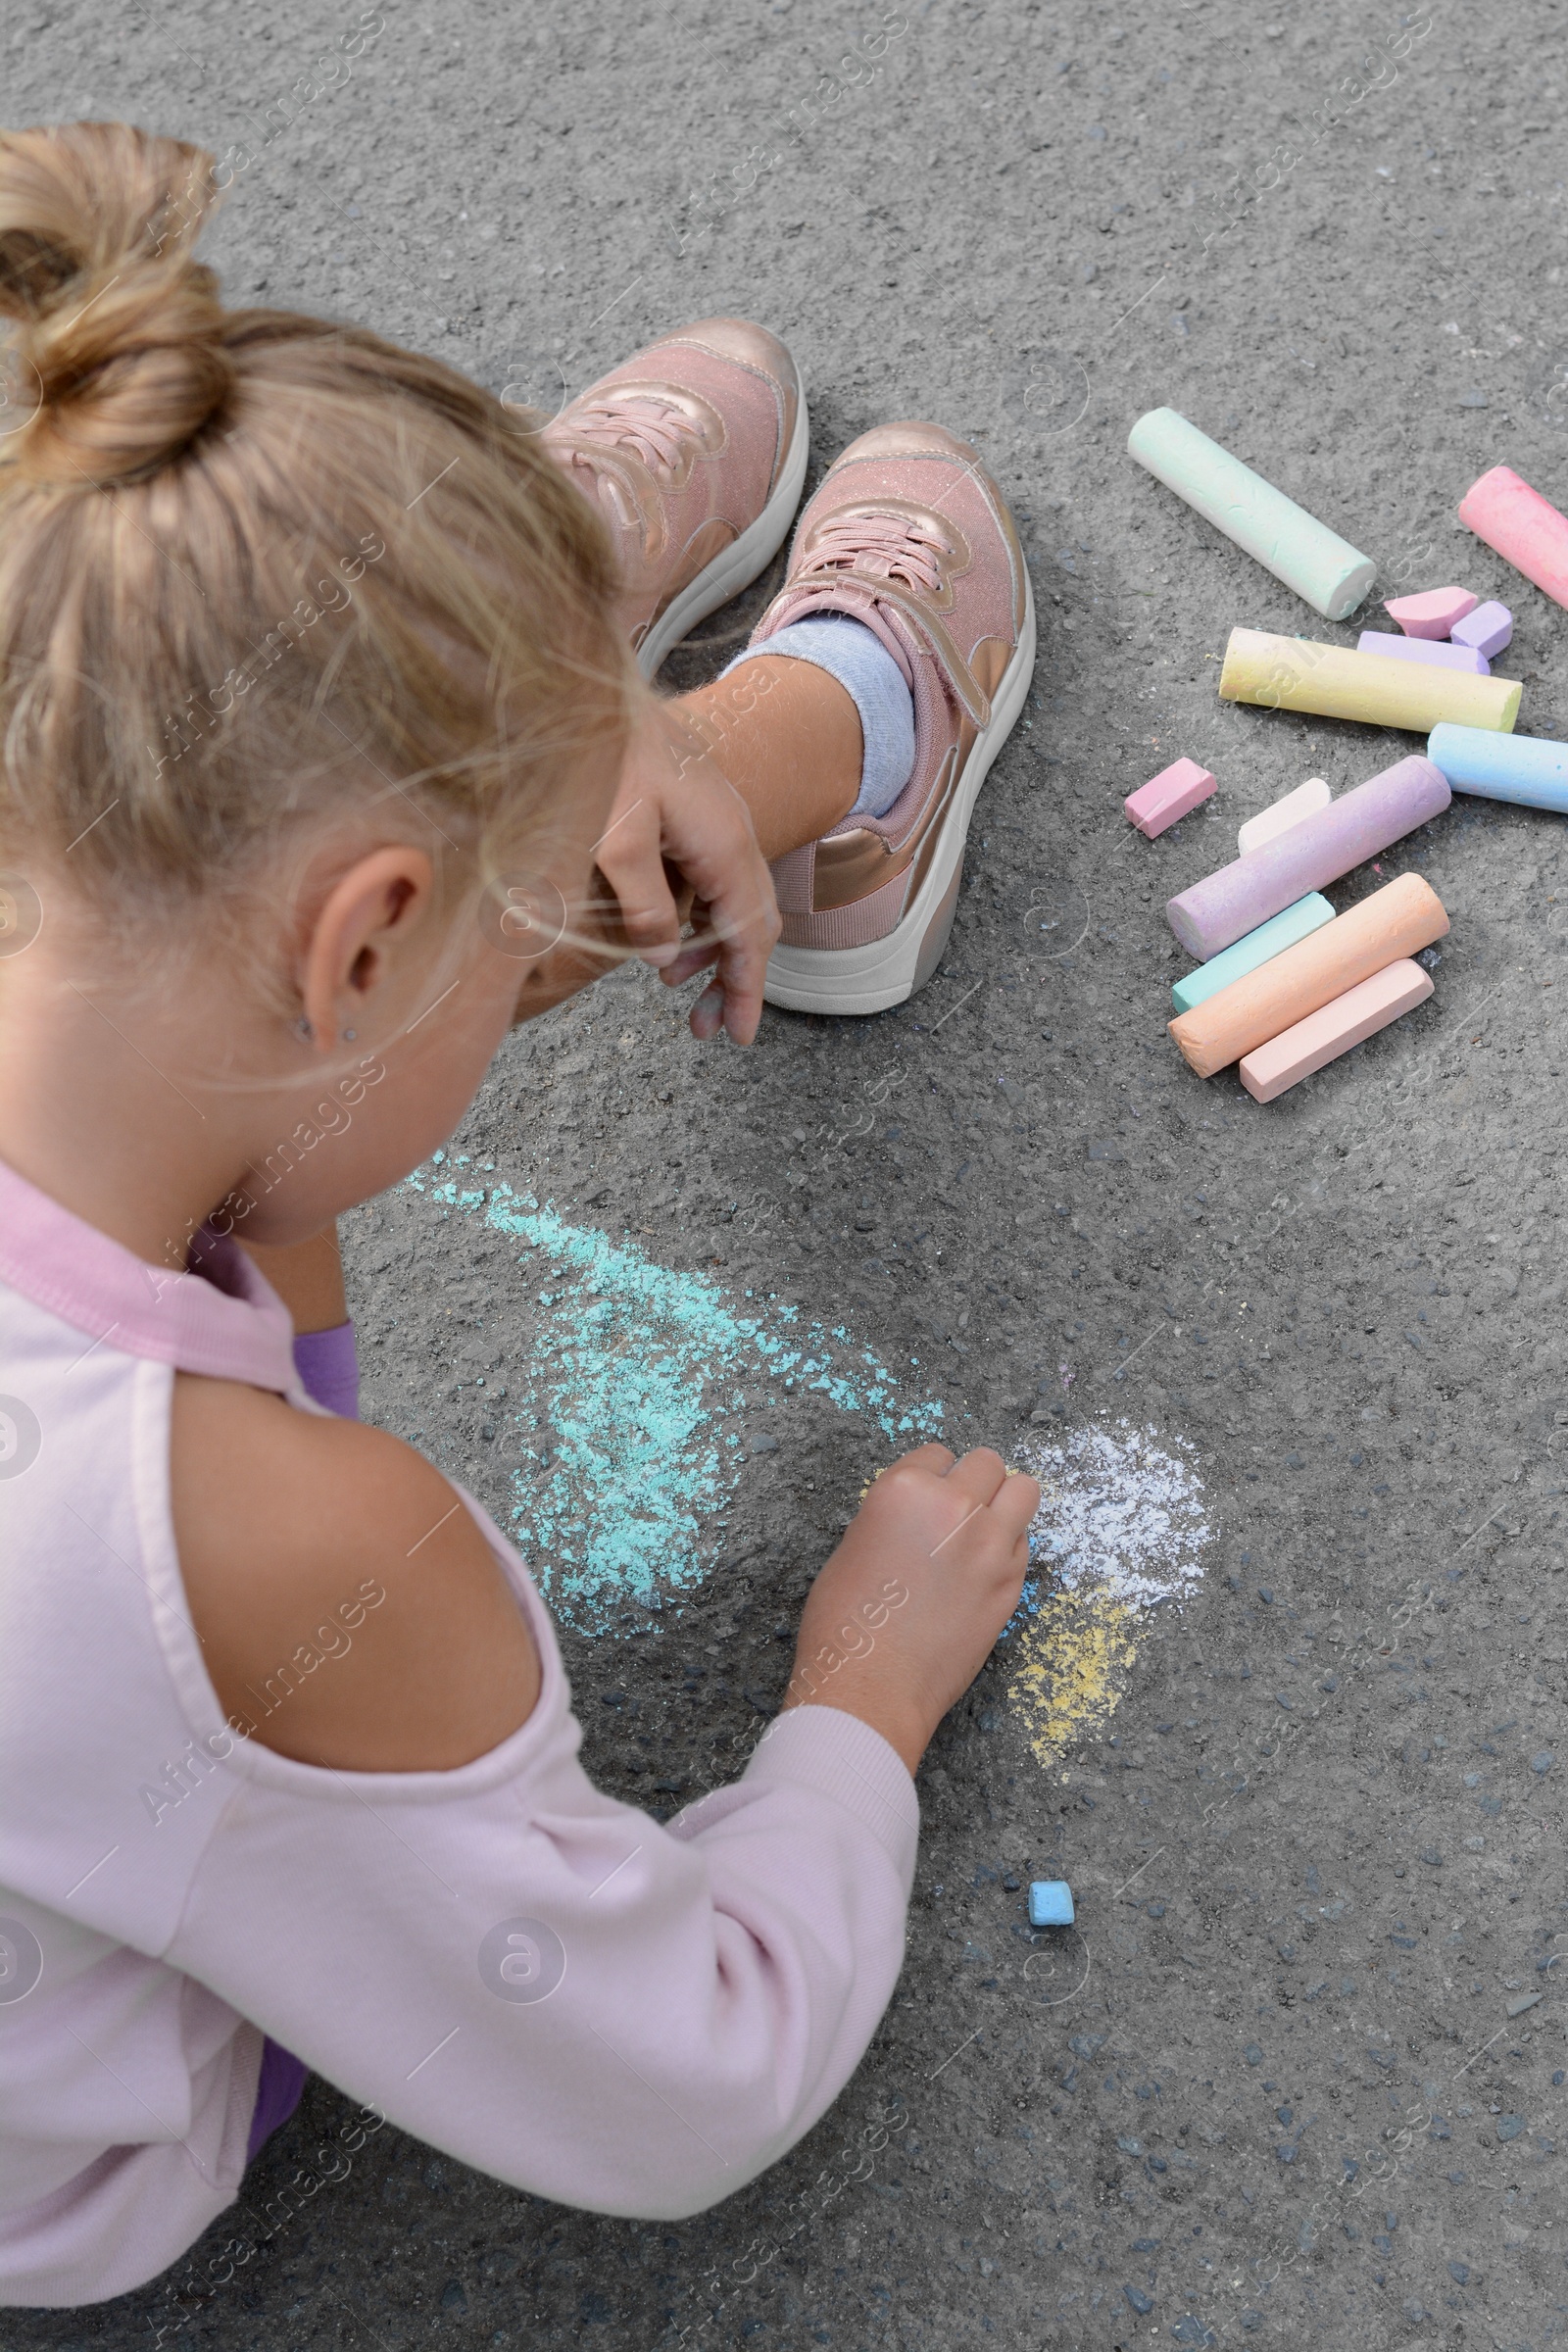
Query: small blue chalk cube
point(1050, 1903)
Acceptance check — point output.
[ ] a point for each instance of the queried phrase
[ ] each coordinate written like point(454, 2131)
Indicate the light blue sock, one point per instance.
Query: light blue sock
point(860, 661)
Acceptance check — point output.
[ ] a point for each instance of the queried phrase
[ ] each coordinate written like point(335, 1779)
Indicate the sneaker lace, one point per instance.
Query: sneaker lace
point(654, 430)
point(889, 546)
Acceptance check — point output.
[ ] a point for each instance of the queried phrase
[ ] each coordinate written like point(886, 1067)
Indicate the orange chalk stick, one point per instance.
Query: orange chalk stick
point(1400, 919)
point(1333, 1029)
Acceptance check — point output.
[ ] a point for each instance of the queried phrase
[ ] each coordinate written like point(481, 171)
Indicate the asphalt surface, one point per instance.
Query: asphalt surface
point(1269, 2090)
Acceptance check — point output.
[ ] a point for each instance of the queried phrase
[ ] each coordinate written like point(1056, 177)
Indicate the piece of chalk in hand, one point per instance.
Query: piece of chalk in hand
point(1050, 1903)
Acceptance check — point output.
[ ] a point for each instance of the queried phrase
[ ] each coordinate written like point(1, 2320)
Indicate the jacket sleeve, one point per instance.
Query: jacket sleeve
point(551, 1986)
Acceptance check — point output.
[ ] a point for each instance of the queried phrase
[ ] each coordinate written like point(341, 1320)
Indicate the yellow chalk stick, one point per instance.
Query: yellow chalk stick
point(1297, 673)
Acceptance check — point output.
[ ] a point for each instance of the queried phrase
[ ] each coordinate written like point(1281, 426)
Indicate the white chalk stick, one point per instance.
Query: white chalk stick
point(1306, 801)
point(1334, 1029)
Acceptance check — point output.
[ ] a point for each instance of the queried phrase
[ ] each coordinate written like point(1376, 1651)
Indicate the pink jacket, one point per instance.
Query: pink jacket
point(542, 1981)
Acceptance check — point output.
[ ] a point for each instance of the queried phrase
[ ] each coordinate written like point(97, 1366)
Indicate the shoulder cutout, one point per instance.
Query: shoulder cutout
point(350, 1610)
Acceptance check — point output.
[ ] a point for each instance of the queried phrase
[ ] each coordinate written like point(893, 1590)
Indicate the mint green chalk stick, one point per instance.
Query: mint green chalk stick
point(1322, 568)
point(1261, 945)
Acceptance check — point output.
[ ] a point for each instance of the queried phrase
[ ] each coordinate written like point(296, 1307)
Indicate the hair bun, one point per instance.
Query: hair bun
point(119, 357)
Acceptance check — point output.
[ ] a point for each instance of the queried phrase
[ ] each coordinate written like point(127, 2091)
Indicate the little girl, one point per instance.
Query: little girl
point(326, 760)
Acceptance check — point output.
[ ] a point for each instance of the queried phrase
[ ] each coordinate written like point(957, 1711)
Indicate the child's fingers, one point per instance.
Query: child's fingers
point(712, 1007)
point(628, 854)
point(693, 957)
point(721, 1003)
point(707, 1014)
point(1014, 1504)
point(735, 998)
point(939, 1459)
point(978, 1476)
point(742, 969)
point(708, 837)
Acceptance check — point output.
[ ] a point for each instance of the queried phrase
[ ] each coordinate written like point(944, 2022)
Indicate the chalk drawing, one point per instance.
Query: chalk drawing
point(643, 1389)
point(1121, 1530)
point(636, 1401)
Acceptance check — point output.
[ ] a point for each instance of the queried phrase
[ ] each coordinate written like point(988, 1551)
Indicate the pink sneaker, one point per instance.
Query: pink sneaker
point(911, 535)
point(695, 449)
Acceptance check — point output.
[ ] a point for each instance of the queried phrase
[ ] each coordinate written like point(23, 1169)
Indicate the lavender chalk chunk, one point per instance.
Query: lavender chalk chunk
point(1224, 906)
point(1424, 649)
point(1489, 628)
point(1527, 769)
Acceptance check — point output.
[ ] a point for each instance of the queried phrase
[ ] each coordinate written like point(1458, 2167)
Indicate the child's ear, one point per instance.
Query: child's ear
point(366, 918)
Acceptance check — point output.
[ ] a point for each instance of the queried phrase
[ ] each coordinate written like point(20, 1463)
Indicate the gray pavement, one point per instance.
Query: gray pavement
point(1280, 2084)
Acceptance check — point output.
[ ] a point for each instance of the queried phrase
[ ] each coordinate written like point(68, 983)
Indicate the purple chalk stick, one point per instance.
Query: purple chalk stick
point(1223, 908)
point(1425, 649)
point(1489, 628)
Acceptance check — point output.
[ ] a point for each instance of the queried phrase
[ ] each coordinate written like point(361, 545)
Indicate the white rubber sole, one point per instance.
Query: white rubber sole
point(741, 561)
point(885, 972)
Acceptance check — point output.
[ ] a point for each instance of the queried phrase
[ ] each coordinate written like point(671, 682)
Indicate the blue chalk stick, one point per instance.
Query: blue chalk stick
point(1269, 940)
point(1527, 769)
point(1050, 1903)
point(1425, 649)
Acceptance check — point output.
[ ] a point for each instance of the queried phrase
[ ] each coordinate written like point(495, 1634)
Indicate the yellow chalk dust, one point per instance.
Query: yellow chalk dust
point(1075, 1658)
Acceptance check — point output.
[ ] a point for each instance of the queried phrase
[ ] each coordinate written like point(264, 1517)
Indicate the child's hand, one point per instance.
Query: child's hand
point(677, 814)
point(905, 1614)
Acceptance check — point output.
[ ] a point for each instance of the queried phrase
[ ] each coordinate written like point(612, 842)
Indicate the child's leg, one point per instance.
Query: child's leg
point(788, 737)
point(815, 724)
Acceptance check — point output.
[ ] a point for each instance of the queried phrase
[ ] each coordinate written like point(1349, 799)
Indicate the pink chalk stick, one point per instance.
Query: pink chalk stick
point(1489, 628)
point(1424, 649)
point(1433, 612)
point(1268, 1070)
point(1168, 797)
point(1525, 529)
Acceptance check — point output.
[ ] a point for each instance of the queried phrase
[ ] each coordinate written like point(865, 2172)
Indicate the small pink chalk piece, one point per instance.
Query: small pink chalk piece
point(1489, 628)
point(1268, 1070)
point(1433, 612)
point(1168, 797)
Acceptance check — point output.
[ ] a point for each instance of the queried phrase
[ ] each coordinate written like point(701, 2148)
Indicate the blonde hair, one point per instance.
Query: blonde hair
point(259, 573)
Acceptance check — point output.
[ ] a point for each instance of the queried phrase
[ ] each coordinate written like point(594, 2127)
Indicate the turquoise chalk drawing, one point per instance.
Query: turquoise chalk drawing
point(632, 1405)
